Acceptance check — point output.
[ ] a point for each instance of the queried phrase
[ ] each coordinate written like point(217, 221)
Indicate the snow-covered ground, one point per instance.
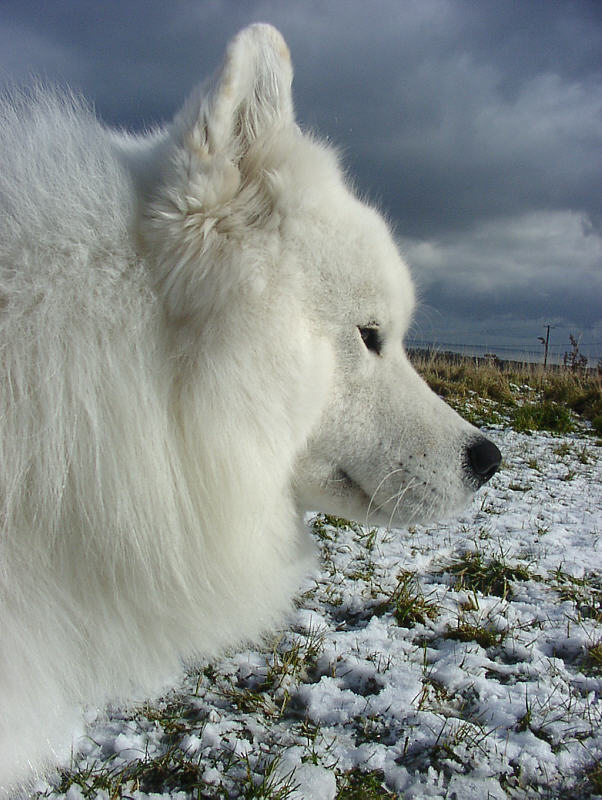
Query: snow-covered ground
point(459, 660)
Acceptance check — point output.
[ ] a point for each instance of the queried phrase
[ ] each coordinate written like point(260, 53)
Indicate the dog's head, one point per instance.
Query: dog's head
point(254, 229)
point(386, 449)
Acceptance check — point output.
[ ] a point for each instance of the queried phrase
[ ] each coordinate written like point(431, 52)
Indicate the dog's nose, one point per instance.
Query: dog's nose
point(483, 459)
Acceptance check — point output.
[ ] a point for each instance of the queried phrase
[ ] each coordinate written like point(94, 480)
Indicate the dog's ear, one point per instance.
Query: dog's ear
point(215, 150)
point(241, 109)
point(248, 98)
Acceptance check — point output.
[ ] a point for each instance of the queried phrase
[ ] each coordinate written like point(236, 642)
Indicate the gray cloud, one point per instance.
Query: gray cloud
point(474, 123)
point(552, 257)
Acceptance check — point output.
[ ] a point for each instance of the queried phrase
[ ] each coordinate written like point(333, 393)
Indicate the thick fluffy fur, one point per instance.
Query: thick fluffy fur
point(183, 372)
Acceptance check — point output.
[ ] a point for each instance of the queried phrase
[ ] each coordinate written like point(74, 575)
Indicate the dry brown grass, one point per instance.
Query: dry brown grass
point(509, 384)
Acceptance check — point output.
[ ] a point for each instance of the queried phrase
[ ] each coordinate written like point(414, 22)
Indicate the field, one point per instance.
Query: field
point(459, 660)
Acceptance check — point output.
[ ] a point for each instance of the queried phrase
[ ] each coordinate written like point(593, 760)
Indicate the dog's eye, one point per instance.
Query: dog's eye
point(371, 338)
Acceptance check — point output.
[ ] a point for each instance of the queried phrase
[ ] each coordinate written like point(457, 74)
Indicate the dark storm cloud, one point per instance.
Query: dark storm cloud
point(136, 60)
point(546, 258)
point(475, 124)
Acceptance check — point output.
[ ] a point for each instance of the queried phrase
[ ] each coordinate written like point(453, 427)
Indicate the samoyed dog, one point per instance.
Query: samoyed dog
point(201, 334)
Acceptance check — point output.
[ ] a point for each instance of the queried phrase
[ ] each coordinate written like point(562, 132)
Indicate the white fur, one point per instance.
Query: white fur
point(181, 374)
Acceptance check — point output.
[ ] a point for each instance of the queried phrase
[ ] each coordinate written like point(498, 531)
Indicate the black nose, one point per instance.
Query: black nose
point(483, 460)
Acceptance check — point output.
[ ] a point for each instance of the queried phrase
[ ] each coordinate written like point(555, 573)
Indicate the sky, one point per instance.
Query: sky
point(474, 125)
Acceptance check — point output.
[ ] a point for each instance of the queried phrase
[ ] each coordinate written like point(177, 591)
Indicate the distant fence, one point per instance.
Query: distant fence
point(512, 353)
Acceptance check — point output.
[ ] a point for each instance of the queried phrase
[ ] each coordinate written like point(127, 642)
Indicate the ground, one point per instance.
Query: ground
point(458, 660)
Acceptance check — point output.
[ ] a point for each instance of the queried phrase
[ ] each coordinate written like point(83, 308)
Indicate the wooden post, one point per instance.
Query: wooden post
point(545, 343)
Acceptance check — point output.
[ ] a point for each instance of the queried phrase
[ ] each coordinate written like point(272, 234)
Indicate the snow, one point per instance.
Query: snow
point(437, 715)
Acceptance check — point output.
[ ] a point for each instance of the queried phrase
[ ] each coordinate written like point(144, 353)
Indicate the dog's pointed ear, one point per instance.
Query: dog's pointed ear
point(249, 97)
point(216, 148)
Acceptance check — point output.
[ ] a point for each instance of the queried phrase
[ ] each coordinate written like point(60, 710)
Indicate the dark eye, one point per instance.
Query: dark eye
point(371, 338)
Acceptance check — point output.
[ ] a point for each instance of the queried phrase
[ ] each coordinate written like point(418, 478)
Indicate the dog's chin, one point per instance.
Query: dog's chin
point(343, 496)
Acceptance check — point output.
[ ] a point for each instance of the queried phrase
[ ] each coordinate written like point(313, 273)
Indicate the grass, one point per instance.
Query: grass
point(489, 576)
point(593, 660)
point(585, 593)
point(271, 785)
point(325, 524)
point(466, 632)
point(594, 776)
point(531, 398)
point(463, 377)
point(582, 453)
point(407, 603)
point(358, 785)
point(543, 416)
point(268, 691)
point(172, 770)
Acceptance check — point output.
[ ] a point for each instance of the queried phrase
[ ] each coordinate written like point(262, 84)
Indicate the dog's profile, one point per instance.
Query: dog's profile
point(201, 337)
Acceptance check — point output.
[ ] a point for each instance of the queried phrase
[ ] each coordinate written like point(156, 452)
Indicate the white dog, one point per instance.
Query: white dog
point(201, 335)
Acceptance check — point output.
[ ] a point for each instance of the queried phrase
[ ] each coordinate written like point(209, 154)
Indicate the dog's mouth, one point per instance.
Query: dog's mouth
point(363, 506)
point(343, 485)
point(402, 497)
point(414, 500)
